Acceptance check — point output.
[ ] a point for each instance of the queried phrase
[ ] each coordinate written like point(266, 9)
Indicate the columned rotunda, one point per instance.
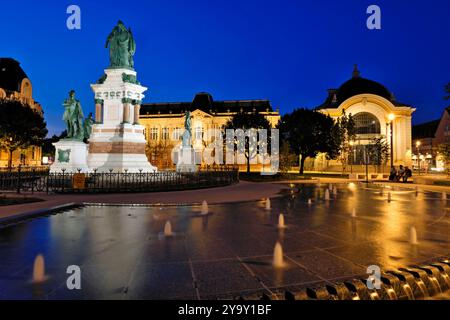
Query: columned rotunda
point(376, 112)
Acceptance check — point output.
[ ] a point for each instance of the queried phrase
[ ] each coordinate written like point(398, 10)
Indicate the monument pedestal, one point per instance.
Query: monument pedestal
point(186, 160)
point(117, 140)
point(119, 148)
point(71, 156)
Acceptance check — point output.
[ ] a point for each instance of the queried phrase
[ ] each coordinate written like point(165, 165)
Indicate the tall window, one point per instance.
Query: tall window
point(177, 133)
point(165, 134)
point(154, 134)
point(199, 133)
point(366, 123)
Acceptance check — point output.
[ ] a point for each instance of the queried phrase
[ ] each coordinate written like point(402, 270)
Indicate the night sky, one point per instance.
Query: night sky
point(290, 52)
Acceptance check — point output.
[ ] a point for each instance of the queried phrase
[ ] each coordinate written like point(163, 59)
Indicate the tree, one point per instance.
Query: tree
point(444, 152)
point(246, 121)
point(48, 149)
point(379, 151)
point(346, 132)
point(287, 159)
point(159, 152)
point(310, 132)
point(20, 127)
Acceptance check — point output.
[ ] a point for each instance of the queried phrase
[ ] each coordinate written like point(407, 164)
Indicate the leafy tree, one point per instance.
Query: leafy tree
point(346, 132)
point(48, 149)
point(247, 121)
point(20, 127)
point(310, 132)
point(379, 151)
point(159, 152)
point(287, 158)
point(444, 152)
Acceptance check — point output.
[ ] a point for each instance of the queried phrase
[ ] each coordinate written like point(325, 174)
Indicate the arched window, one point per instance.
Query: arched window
point(366, 123)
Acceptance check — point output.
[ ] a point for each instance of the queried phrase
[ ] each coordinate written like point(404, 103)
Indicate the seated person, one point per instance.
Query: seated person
point(407, 174)
point(393, 174)
point(401, 173)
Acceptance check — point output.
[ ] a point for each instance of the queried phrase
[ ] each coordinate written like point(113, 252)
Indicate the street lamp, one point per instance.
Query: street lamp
point(391, 118)
point(418, 143)
point(351, 155)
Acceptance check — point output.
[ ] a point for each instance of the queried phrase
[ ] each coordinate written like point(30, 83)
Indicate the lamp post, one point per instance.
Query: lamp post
point(418, 155)
point(351, 155)
point(391, 118)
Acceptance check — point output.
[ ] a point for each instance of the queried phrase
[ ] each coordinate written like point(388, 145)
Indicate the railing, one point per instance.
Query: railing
point(107, 182)
point(36, 169)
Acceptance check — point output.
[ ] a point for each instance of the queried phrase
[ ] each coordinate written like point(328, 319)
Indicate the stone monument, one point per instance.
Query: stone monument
point(117, 141)
point(186, 153)
point(71, 152)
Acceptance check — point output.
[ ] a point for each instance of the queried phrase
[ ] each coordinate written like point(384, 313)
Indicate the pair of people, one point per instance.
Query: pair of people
point(404, 173)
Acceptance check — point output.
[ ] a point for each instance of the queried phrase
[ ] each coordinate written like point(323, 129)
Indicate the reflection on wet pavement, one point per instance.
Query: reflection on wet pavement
point(124, 254)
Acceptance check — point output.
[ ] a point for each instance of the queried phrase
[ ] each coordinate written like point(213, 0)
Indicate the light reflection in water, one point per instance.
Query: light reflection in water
point(379, 233)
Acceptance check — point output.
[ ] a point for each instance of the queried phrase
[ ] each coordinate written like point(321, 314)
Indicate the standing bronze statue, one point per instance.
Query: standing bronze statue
point(121, 47)
point(73, 117)
point(77, 129)
point(88, 123)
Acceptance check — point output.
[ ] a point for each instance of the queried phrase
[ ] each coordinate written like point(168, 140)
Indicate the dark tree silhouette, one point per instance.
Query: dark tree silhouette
point(246, 121)
point(20, 127)
point(310, 132)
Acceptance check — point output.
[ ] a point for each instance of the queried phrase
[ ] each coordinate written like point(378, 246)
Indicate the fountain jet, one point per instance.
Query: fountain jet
point(444, 195)
point(278, 261)
point(205, 209)
point(327, 194)
point(354, 213)
point(309, 201)
point(268, 204)
point(413, 236)
point(168, 229)
point(39, 269)
point(281, 223)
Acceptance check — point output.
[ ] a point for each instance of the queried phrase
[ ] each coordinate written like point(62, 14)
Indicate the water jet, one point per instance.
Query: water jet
point(278, 261)
point(168, 229)
point(413, 236)
point(268, 204)
point(39, 269)
point(205, 209)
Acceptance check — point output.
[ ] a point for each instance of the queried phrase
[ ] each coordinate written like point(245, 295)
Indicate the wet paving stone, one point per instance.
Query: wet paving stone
point(222, 277)
point(123, 253)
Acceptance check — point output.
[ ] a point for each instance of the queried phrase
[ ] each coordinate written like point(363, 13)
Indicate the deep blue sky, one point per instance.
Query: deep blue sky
point(290, 52)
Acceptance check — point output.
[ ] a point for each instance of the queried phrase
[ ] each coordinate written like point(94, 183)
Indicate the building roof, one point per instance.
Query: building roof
point(205, 102)
point(11, 74)
point(425, 130)
point(356, 85)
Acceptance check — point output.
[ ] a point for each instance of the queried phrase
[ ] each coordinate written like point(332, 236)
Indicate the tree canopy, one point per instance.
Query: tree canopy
point(310, 132)
point(247, 121)
point(20, 126)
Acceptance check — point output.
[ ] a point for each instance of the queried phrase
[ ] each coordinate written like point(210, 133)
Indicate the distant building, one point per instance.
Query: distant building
point(164, 122)
point(373, 107)
point(15, 84)
point(426, 139)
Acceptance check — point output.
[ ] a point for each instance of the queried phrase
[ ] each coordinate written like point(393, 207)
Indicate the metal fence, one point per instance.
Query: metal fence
point(36, 169)
point(107, 182)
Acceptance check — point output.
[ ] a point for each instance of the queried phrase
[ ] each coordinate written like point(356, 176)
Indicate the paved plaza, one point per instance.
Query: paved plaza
point(124, 254)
